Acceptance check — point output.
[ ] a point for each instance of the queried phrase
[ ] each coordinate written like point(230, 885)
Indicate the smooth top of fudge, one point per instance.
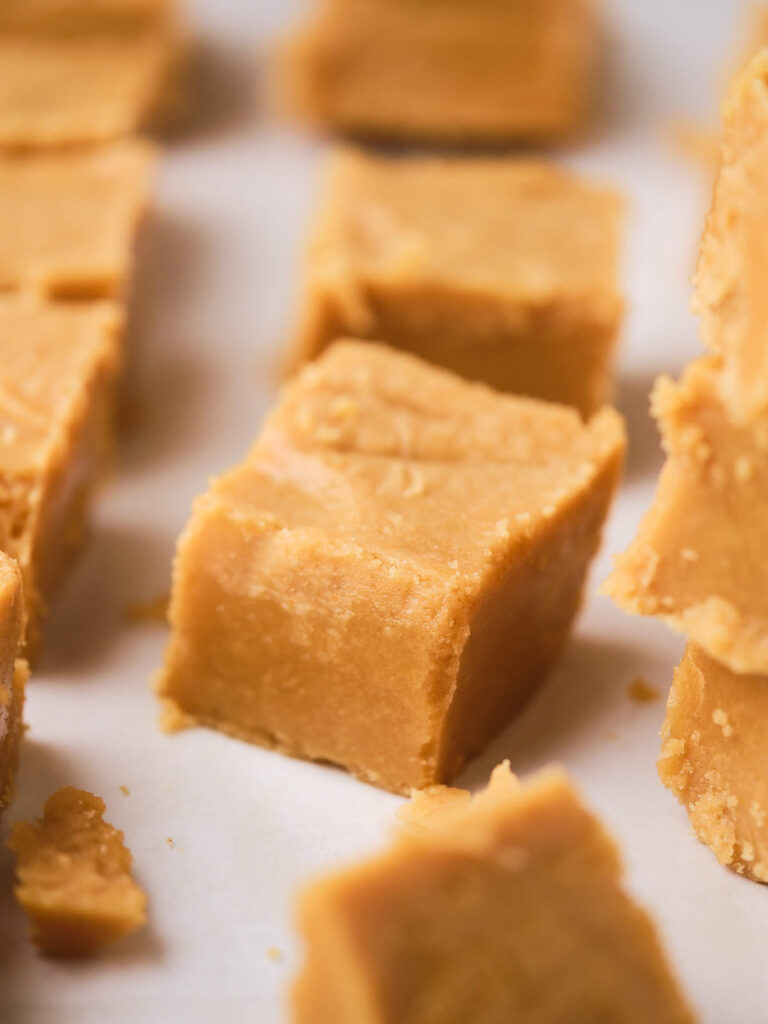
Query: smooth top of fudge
point(516, 228)
point(382, 450)
point(47, 356)
point(11, 626)
point(79, 15)
point(69, 219)
point(731, 295)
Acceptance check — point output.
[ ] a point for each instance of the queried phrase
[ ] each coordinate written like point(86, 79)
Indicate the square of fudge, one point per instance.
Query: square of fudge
point(698, 560)
point(392, 571)
point(503, 270)
point(713, 758)
point(13, 674)
point(506, 907)
point(59, 367)
point(485, 72)
point(70, 219)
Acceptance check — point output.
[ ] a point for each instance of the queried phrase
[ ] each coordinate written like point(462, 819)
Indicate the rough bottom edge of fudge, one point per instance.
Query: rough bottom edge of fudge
point(9, 758)
point(712, 759)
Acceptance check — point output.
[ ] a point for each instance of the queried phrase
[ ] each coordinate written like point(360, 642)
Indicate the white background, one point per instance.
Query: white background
point(215, 286)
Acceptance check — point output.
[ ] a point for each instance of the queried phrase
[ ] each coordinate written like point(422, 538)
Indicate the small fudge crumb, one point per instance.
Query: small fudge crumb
point(153, 610)
point(74, 876)
point(125, 791)
point(642, 692)
point(275, 955)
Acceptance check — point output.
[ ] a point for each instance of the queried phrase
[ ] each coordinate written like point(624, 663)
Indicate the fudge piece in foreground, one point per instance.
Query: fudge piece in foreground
point(506, 908)
point(483, 72)
point(77, 16)
point(13, 674)
point(698, 560)
point(502, 270)
point(69, 220)
point(388, 576)
point(713, 759)
point(74, 876)
point(59, 366)
point(731, 296)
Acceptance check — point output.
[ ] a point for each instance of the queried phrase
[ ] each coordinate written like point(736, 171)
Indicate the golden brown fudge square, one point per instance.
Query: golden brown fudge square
point(713, 759)
point(74, 876)
point(13, 674)
point(68, 90)
point(58, 372)
point(502, 270)
point(486, 72)
point(506, 908)
point(392, 571)
point(73, 16)
point(731, 295)
point(69, 221)
point(698, 560)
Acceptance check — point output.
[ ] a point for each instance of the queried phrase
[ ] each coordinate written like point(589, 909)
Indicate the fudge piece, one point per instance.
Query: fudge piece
point(77, 16)
point(712, 757)
point(507, 908)
point(69, 220)
point(731, 296)
point(393, 569)
point(698, 560)
point(66, 90)
point(59, 366)
point(502, 270)
point(13, 674)
point(485, 72)
point(74, 876)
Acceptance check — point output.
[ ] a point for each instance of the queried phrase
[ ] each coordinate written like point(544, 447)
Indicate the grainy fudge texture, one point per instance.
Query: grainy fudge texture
point(78, 16)
point(698, 560)
point(388, 576)
point(13, 674)
point(484, 72)
point(503, 270)
point(713, 757)
point(731, 295)
point(58, 370)
point(506, 908)
point(69, 220)
point(74, 876)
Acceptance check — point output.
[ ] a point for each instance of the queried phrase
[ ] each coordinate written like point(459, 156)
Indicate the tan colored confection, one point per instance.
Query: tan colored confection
point(391, 572)
point(70, 16)
point(487, 72)
point(74, 876)
point(503, 270)
point(69, 221)
point(69, 90)
point(712, 757)
point(731, 296)
point(698, 560)
point(508, 908)
point(13, 674)
point(59, 366)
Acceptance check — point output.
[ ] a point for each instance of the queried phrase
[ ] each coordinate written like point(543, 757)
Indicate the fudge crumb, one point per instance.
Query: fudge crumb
point(169, 842)
point(153, 610)
point(642, 692)
point(275, 955)
point(125, 791)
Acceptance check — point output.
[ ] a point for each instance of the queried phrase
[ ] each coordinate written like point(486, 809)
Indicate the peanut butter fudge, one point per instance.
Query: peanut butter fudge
point(58, 370)
point(12, 674)
point(393, 569)
point(483, 72)
point(713, 757)
point(74, 876)
point(698, 560)
point(69, 220)
point(502, 270)
point(731, 296)
point(506, 908)
point(71, 16)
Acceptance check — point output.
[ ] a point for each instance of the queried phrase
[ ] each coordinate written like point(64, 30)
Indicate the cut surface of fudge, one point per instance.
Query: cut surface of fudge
point(731, 296)
point(59, 366)
point(503, 270)
point(391, 572)
point(698, 560)
point(485, 72)
point(70, 16)
point(713, 757)
point(74, 876)
point(69, 90)
point(69, 220)
point(508, 907)
point(13, 674)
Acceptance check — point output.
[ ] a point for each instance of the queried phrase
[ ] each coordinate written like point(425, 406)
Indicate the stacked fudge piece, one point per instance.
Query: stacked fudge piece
point(700, 559)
